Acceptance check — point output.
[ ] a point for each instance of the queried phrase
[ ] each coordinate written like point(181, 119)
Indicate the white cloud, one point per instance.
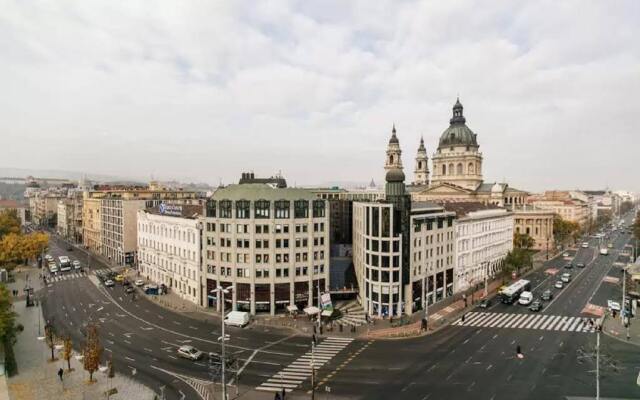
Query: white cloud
point(205, 90)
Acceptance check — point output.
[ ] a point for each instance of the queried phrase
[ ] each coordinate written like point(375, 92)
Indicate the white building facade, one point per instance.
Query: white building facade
point(170, 249)
point(483, 239)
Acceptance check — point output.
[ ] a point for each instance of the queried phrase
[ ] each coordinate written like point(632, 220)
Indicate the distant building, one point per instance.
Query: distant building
point(170, 248)
point(537, 223)
point(562, 204)
point(21, 209)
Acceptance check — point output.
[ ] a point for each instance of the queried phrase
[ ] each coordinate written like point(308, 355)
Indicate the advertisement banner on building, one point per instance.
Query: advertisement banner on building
point(325, 302)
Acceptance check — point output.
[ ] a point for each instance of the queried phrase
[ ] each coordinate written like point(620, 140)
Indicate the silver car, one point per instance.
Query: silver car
point(190, 352)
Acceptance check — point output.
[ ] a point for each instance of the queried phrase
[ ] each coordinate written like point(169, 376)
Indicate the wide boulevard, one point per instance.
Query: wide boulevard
point(475, 358)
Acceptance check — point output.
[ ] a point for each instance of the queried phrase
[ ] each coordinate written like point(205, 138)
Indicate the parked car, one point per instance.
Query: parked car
point(139, 282)
point(559, 285)
point(547, 295)
point(536, 306)
point(151, 289)
point(189, 352)
point(109, 283)
point(585, 245)
point(486, 303)
point(604, 252)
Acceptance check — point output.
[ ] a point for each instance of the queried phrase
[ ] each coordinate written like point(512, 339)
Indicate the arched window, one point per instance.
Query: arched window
point(391, 159)
point(444, 169)
point(470, 168)
point(459, 169)
point(419, 164)
point(450, 169)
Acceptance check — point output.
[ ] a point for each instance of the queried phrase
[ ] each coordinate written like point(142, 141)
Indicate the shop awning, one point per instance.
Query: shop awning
point(311, 310)
point(292, 308)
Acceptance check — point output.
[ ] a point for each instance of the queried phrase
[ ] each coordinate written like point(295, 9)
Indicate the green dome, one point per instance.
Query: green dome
point(395, 175)
point(458, 133)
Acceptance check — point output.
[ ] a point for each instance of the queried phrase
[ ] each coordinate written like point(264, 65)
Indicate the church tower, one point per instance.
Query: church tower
point(458, 160)
point(421, 172)
point(394, 160)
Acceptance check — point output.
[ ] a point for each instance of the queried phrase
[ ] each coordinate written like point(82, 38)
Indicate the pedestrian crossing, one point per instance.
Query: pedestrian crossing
point(298, 371)
point(65, 276)
point(102, 271)
point(527, 321)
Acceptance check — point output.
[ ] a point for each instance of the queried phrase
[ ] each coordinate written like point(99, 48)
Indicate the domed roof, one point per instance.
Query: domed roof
point(395, 175)
point(458, 133)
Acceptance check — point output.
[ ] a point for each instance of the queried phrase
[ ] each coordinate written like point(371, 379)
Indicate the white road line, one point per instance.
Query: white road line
point(523, 321)
point(542, 321)
point(512, 321)
point(533, 321)
point(553, 322)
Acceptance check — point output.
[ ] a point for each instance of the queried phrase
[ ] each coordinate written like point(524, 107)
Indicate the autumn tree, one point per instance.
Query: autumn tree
point(8, 329)
point(564, 230)
point(523, 241)
point(50, 337)
point(67, 351)
point(9, 222)
point(92, 351)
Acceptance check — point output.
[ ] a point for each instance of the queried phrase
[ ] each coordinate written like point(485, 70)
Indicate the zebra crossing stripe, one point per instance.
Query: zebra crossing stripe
point(495, 321)
point(510, 321)
point(533, 321)
point(476, 316)
point(561, 323)
point(484, 319)
point(522, 321)
point(575, 324)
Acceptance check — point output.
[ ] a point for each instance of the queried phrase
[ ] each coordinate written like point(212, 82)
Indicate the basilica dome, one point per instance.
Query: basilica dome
point(457, 134)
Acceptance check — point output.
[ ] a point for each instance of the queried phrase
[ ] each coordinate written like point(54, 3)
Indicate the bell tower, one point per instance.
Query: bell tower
point(421, 173)
point(394, 160)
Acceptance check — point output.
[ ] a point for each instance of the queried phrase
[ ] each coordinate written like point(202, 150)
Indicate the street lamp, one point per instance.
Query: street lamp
point(221, 292)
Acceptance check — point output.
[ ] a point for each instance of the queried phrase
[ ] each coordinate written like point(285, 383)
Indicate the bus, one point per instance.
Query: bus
point(65, 263)
point(512, 292)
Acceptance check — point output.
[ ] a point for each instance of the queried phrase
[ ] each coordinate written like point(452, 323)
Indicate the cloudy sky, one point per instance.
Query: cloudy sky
point(203, 90)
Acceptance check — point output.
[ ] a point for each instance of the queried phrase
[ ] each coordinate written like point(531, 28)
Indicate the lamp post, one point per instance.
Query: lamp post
point(221, 292)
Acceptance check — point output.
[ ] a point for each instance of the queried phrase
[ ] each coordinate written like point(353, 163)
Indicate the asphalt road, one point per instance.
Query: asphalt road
point(456, 362)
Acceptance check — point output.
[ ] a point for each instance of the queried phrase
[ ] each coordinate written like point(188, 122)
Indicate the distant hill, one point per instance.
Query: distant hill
point(57, 174)
point(12, 191)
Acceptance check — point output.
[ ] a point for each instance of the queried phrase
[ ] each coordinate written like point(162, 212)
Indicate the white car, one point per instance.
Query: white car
point(525, 298)
point(566, 277)
point(565, 254)
point(190, 352)
point(559, 285)
point(48, 257)
point(604, 251)
point(109, 283)
point(138, 282)
point(53, 268)
point(76, 264)
point(613, 305)
point(585, 245)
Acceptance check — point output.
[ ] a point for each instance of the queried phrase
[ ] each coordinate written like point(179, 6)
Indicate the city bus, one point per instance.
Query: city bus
point(512, 292)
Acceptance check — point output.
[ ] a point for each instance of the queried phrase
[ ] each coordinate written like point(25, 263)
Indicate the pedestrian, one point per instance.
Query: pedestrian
point(463, 318)
point(283, 393)
point(518, 349)
point(60, 372)
point(277, 396)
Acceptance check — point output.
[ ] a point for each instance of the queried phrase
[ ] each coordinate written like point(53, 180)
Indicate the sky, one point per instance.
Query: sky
point(204, 90)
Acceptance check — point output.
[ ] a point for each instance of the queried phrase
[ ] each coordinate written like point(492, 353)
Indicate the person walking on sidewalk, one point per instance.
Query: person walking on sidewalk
point(60, 372)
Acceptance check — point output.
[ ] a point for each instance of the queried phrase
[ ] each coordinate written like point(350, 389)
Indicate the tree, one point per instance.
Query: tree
point(564, 230)
point(50, 337)
point(8, 329)
point(67, 351)
point(92, 351)
point(523, 241)
point(9, 222)
point(516, 259)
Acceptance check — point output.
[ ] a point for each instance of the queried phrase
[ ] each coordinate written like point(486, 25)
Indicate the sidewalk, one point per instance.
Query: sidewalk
point(614, 328)
point(37, 376)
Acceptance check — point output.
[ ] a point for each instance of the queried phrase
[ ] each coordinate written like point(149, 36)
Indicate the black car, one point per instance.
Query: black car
point(547, 295)
point(580, 265)
point(486, 303)
point(569, 266)
point(69, 248)
point(129, 289)
point(536, 306)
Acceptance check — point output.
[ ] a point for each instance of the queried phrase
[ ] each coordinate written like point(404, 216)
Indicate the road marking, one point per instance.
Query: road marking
point(129, 359)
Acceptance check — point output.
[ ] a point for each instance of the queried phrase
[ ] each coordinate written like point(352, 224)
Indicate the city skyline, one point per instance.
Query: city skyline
point(144, 96)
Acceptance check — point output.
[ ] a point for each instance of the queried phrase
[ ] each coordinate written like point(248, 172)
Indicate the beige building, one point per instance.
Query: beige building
point(70, 216)
point(537, 223)
point(170, 249)
point(118, 216)
point(21, 209)
point(91, 223)
point(269, 243)
point(562, 204)
point(44, 207)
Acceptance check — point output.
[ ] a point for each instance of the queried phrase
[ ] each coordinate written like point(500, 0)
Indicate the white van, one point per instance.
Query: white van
point(604, 251)
point(237, 318)
point(525, 298)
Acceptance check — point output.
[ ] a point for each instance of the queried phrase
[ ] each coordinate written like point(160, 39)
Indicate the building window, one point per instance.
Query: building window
point(301, 209)
point(262, 209)
point(242, 209)
point(282, 209)
point(225, 209)
point(211, 208)
point(318, 208)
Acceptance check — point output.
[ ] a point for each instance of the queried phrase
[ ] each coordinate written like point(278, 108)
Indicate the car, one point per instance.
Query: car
point(585, 245)
point(139, 282)
point(547, 295)
point(604, 252)
point(65, 268)
point(53, 268)
point(119, 278)
point(129, 289)
point(568, 266)
point(610, 246)
point(536, 306)
point(580, 265)
point(566, 277)
point(486, 303)
point(559, 285)
point(109, 283)
point(190, 352)
point(613, 305)
point(76, 264)
point(525, 298)
point(69, 248)
point(565, 254)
